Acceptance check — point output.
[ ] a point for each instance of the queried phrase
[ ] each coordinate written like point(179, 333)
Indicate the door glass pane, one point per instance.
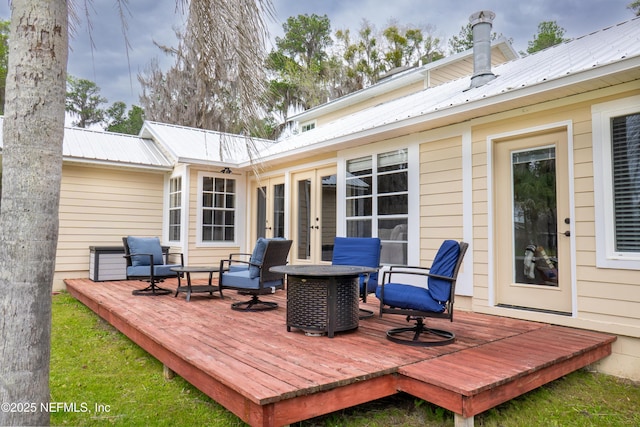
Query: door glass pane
point(304, 219)
point(261, 216)
point(535, 216)
point(278, 210)
point(328, 221)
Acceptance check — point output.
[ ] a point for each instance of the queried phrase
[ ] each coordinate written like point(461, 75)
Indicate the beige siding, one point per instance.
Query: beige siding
point(404, 91)
point(607, 299)
point(441, 195)
point(99, 206)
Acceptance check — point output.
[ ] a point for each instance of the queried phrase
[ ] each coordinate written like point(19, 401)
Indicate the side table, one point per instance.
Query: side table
point(189, 289)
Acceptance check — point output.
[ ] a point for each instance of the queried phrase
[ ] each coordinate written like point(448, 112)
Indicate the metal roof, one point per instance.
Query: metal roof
point(108, 148)
point(190, 145)
point(603, 58)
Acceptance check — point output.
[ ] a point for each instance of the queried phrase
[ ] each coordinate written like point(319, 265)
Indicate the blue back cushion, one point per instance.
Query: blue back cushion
point(257, 257)
point(145, 245)
point(443, 265)
point(362, 251)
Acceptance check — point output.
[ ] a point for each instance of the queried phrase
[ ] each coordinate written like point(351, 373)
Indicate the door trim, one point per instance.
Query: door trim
point(491, 139)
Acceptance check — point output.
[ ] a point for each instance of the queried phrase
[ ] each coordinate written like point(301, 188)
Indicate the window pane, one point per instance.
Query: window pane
point(278, 212)
point(219, 201)
point(207, 217)
point(207, 184)
point(359, 207)
point(219, 185)
point(626, 182)
point(393, 160)
point(361, 166)
point(207, 233)
point(359, 186)
point(207, 200)
point(393, 182)
point(359, 228)
point(393, 205)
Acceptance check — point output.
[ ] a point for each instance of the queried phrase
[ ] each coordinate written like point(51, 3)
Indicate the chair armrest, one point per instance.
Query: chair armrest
point(236, 261)
point(130, 256)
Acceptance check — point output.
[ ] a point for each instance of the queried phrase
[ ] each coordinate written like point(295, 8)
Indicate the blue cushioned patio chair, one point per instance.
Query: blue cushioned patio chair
point(430, 293)
point(252, 277)
point(360, 251)
point(149, 261)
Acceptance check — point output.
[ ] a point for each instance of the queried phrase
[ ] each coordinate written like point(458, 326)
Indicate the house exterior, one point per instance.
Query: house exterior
point(534, 161)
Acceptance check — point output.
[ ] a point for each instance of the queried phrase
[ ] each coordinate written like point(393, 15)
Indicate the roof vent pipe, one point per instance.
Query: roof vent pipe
point(481, 24)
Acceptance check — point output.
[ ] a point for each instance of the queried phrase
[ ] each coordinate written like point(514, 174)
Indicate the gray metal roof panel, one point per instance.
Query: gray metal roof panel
point(86, 145)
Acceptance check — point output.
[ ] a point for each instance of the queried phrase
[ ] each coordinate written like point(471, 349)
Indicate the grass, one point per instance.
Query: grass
point(104, 379)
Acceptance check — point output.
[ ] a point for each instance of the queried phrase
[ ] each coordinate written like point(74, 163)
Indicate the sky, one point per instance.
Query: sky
point(153, 20)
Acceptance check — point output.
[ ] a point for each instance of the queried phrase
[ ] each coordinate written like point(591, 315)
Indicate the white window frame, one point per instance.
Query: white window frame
point(307, 126)
point(413, 216)
point(170, 208)
point(239, 210)
point(601, 115)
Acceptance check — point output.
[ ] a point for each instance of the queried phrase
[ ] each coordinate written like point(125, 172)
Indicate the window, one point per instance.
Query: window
point(377, 202)
point(625, 157)
point(616, 159)
point(175, 208)
point(218, 209)
point(308, 126)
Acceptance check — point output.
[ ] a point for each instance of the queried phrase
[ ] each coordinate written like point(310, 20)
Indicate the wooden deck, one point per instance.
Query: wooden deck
point(251, 365)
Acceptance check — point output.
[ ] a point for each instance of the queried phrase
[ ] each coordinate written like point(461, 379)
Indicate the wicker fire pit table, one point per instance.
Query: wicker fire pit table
point(322, 298)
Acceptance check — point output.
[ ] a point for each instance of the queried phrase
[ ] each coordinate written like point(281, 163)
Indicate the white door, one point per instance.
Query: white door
point(313, 215)
point(532, 222)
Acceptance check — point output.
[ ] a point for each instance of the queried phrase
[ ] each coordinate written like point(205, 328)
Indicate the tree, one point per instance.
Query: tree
point(303, 73)
point(635, 7)
point(549, 34)
point(4, 55)
point(463, 41)
point(216, 82)
point(31, 176)
point(119, 120)
point(83, 101)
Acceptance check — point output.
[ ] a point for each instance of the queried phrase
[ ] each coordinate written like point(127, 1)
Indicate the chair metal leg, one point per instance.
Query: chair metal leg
point(431, 337)
point(254, 304)
point(152, 289)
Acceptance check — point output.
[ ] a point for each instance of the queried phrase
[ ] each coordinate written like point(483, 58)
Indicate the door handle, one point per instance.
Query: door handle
point(567, 233)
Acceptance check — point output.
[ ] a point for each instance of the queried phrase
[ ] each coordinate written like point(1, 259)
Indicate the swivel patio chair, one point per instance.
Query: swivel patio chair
point(252, 277)
point(432, 297)
point(360, 251)
point(149, 261)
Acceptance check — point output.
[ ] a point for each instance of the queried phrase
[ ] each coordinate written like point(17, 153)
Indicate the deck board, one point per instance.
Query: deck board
point(267, 376)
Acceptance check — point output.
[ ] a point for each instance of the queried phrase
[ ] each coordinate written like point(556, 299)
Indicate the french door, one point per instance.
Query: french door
point(269, 214)
point(313, 215)
point(532, 222)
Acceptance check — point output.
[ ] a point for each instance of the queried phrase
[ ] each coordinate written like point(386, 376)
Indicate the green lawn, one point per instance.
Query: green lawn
point(100, 378)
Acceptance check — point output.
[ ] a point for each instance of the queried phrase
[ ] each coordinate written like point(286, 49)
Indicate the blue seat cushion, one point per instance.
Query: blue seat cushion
point(243, 280)
point(409, 297)
point(158, 270)
point(362, 251)
point(443, 265)
point(257, 257)
point(145, 245)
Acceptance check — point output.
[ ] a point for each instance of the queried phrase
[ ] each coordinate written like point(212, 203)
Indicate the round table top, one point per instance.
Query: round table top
point(322, 270)
point(195, 269)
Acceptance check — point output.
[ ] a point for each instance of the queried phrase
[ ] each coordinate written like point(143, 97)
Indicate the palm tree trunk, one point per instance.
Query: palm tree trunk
point(31, 175)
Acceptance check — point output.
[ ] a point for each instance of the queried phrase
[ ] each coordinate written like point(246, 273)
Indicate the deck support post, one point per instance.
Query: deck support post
point(167, 372)
point(461, 421)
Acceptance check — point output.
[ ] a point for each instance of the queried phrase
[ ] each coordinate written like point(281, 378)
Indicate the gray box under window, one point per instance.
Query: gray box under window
point(107, 263)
